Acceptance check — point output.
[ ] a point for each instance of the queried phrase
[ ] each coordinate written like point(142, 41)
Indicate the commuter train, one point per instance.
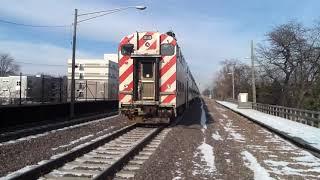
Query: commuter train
point(155, 81)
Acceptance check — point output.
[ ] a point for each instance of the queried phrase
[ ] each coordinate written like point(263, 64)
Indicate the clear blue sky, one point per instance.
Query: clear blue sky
point(208, 31)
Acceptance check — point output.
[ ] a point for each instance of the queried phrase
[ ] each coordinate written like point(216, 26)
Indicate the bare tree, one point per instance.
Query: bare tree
point(8, 66)
point(222, 86)
point(291, 58)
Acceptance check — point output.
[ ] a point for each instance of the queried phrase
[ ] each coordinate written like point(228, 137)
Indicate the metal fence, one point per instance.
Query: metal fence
point(88, 90)
point(45, 89)
point(311, 118)
point(32, 89)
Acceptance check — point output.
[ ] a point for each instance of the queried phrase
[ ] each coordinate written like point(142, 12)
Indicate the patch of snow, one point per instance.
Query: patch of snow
point(178, 171)
point(176, 178)
point(289, 168)
point(207, 156)
point(238, 137)
point(295, 129)
point(232, 132)
point(216, 136)
point(203, 119)
point(225, 116)
point(251, 162)
point(228, 160)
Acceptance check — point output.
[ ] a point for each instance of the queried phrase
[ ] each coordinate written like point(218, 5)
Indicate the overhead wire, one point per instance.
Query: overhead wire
point(40, 64)
point(110, 12)
point(34, 26)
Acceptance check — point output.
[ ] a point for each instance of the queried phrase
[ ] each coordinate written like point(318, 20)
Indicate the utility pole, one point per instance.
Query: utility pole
point(73, 63)
point(254, 97)
point(233, 95)
point(20, 88)
point(232, 76)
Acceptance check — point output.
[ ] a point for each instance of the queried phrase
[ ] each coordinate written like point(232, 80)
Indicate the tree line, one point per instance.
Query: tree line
point(8, 66)
point(287, 71)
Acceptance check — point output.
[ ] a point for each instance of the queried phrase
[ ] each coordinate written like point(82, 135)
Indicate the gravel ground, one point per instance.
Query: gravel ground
point(19, 154)
point(228, 146)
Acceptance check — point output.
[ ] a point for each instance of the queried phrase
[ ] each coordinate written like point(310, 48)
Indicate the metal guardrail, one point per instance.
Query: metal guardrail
point(311, 118)
point(308, 117)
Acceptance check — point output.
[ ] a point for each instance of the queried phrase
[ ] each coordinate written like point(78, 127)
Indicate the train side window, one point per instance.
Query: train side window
point(167, 49)
point(127, 49)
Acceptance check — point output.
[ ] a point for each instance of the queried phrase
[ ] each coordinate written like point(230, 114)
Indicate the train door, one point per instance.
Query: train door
point(146, 80)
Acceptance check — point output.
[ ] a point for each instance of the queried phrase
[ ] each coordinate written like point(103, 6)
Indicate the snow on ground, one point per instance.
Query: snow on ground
point(53, 131)
point(205, 151)
point(251, 162)
point(178, 173)
point(307, 133)
point(310, 163)
point(233, 133)
point(207, 156)
point(224, 115)
point(216, 136)
point(203, 119)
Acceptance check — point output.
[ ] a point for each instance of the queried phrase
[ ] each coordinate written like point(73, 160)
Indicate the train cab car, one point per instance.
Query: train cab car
point(154, 79)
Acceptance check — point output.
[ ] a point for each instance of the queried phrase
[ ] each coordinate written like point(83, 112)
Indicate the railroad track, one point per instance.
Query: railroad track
point(13, 135)
point(101, 159)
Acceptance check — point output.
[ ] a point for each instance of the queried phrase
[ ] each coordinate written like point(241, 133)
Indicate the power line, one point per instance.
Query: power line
point(34, 26)
point(39, 64)
point(110, 12)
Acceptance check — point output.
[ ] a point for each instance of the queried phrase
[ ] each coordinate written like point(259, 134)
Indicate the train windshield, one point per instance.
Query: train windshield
point(167, 49)
point(127, 49)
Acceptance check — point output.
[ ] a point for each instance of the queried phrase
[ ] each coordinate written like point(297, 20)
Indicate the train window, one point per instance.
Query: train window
point(147, 71)
point(127, 49)
point(167, 49)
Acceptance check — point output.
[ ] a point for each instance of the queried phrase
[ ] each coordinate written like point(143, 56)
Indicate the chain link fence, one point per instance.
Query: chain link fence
point(44, 89)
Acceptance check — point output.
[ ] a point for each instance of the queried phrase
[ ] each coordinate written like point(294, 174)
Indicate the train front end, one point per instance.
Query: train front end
point(147, 74)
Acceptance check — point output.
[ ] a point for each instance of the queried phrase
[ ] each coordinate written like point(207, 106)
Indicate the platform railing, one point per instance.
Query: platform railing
point(308, 117)
point(311, 118)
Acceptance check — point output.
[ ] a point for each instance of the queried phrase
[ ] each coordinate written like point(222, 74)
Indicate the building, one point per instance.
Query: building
point(10, 88)
point(34, 89)
point(95, 78)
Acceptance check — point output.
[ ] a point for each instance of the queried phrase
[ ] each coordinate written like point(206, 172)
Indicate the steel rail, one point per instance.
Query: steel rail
point(13, 135)
point(116, 166)
point(47, 167)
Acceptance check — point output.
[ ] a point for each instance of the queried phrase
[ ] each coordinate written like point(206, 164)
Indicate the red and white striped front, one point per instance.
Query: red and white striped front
point(148, 44)
point(125, 72)
point(168, 74)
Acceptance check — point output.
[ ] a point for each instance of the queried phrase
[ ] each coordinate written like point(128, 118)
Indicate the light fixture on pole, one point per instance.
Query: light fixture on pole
point(74, 40)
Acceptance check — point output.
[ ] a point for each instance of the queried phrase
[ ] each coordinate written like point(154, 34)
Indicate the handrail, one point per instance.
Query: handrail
point(311, 118)
point(308, 117)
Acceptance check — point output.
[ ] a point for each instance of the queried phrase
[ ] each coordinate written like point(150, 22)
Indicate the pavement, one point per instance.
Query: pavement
point(212, 142)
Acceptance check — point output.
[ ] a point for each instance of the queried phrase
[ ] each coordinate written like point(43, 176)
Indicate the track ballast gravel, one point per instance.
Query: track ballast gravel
point(15, 156)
